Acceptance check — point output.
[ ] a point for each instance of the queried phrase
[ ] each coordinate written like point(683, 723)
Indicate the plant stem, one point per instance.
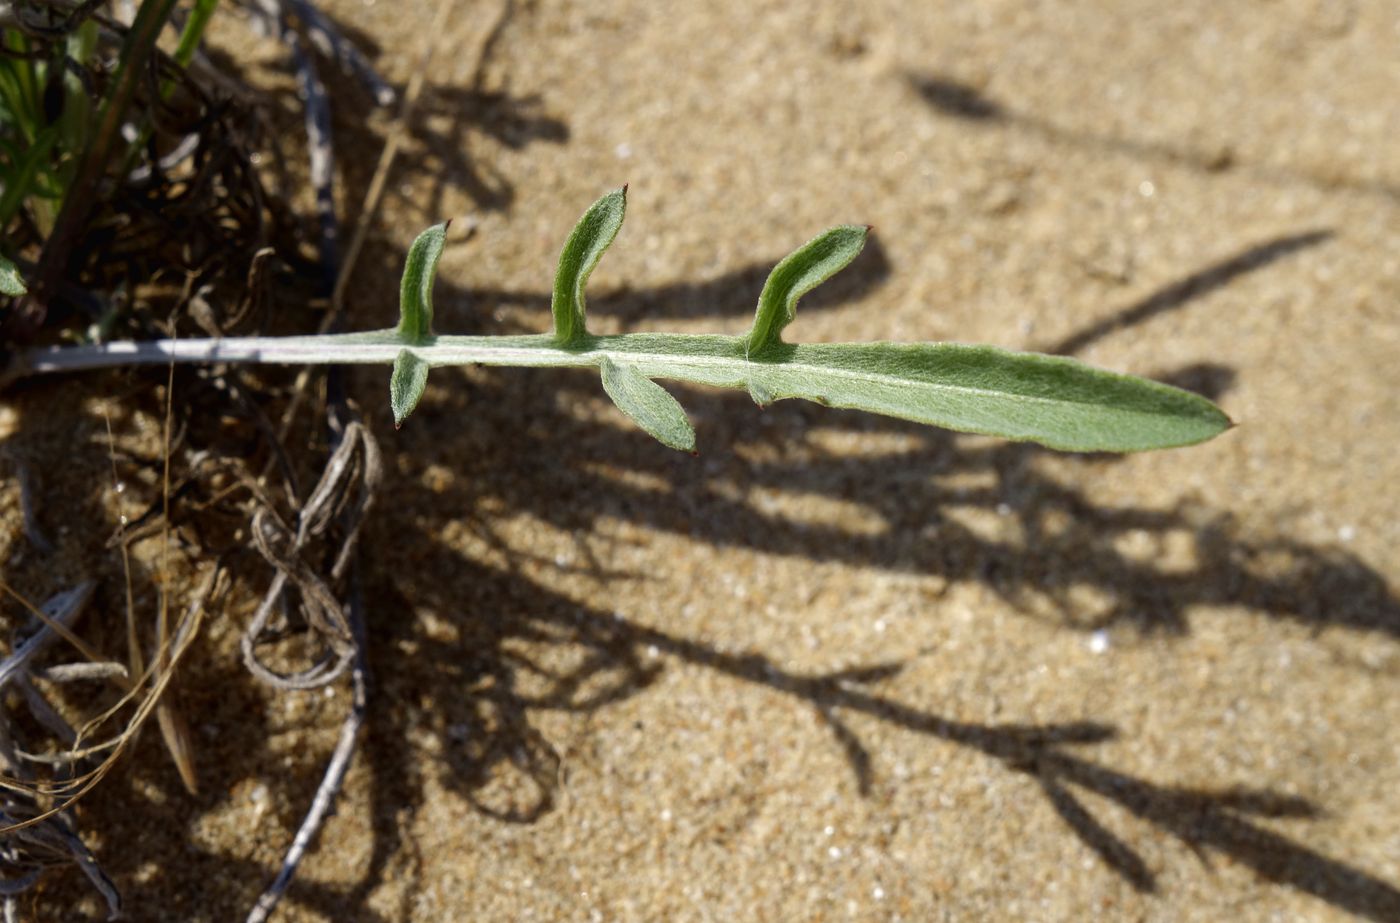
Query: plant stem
point(381, 348)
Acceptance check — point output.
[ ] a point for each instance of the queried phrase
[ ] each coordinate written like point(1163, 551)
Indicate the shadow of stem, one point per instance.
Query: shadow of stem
point(610, 666)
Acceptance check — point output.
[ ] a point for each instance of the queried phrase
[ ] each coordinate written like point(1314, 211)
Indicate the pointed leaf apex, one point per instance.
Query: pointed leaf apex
point(416, 286)
point(649, 405)
point(801, 271)
point(406, 385)
point(590, 239)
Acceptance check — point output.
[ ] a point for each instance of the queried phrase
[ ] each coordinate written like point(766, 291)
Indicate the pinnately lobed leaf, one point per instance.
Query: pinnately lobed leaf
point(416, 287)
point(649, 405)
point(10, 281)
point(801, 271)
point(1056, 401)
point(590, 239)
point(406, 384)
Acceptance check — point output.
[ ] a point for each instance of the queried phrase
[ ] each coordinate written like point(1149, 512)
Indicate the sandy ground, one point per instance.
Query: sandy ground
point(839, 668)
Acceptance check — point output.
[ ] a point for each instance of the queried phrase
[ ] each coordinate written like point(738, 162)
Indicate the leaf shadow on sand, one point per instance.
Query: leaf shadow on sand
point(449, 142)
point(952, 98)
point(729, 294)
point(487, 684)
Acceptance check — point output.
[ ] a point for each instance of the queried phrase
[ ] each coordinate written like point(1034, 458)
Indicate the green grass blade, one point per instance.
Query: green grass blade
point(590, 239)
point(76, 119)
point(416, 286)
point(195, 25)
point(801, 271)
point(649, 405)
point(26, 176)
point(406, 384)
point(15, 104)
point(10, 281)
point(21, 85)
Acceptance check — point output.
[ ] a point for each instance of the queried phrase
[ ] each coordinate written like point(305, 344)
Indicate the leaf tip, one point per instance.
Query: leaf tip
point(590, 239)
point(416, 285)
point(760, 394)
point(406, 385)
point(797, 274)
point(649, 405)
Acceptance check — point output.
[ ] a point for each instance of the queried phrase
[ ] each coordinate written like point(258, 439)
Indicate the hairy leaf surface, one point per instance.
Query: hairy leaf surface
point(801, 271)
point(590, 239)
point(406, 384)
point(416, 287)
point(649, 405)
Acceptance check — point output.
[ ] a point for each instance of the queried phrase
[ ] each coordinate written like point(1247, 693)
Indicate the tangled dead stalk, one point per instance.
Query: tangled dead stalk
point(194, 217)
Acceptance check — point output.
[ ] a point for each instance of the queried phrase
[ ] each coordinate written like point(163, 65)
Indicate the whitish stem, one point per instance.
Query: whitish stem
point(383, 346)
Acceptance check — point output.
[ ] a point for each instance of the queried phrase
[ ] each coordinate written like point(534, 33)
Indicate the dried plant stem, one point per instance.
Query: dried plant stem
point(334, 776)
point(377, 183)
point(173, 729)
point(58, 615)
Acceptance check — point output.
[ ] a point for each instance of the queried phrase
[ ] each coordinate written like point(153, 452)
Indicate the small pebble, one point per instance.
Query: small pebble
point(1098, 641)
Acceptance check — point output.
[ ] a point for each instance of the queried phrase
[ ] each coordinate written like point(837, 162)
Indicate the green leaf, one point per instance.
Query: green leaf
point(23, 178)
point(406, 384)
point(1055, 401)
point(10, 282)
point(591, 237)
point(803, 270)
point(649, 405)
point(416, 286)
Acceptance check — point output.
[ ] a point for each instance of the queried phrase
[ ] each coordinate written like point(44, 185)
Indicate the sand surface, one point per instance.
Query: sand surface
point(837, 667)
